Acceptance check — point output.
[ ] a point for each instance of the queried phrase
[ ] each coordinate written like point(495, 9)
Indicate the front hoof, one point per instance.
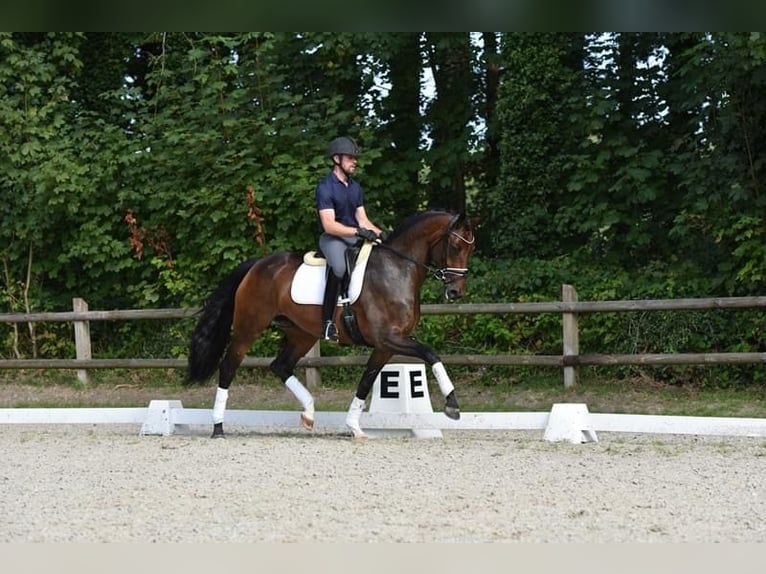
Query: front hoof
point(307, 421)
point(218, 431)
point(357, 434)
point(451, 409)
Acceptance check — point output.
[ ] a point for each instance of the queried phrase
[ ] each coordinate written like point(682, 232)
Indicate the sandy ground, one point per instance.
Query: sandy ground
point(106, 483)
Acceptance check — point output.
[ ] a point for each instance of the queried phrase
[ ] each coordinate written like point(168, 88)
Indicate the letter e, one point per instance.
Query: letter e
point(389, 385)
point(416, 385)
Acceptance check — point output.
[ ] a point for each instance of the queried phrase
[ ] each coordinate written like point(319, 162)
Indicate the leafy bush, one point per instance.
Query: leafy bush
point(522, 280)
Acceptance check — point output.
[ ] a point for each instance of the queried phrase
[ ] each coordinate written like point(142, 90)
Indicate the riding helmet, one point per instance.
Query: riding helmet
point(343, 146)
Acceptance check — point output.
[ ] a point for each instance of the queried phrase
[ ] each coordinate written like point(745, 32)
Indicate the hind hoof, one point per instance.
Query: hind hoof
point(307, 422)
point(218, 431)
point(452, 412)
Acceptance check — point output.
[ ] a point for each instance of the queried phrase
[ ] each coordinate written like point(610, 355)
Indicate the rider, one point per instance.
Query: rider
point(342, 217)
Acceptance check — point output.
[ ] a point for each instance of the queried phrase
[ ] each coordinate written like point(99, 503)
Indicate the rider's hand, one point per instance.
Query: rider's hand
point(382, 236)
point(367, 234)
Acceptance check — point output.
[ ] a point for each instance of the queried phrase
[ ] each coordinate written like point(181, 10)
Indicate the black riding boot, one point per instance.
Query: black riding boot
point(331, 290)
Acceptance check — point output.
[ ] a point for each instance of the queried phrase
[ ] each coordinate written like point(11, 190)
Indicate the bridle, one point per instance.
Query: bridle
point(444, 274)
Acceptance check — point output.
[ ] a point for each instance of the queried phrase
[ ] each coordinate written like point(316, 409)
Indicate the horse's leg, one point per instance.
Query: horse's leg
point(296, 346)
point(249, 322)
point(228, 368)
point(376, 362)
point(410, 347)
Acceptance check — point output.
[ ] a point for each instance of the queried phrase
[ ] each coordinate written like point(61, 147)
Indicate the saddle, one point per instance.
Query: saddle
point(309, 281)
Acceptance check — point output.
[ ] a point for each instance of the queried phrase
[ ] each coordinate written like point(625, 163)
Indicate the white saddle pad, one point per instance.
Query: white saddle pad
point(308, 283)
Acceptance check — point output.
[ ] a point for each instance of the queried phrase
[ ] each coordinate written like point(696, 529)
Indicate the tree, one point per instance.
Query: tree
point(488, 169)
point(449, 55)
point(624, 205)
point(57, 185)
point(719, 86)
point(398, 170)
point(537, 101)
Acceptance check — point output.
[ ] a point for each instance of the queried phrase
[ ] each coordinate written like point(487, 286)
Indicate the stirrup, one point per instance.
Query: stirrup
point(330, 332)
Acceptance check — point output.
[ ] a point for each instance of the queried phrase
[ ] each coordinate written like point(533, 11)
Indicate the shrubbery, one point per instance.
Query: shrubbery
point(524, 280)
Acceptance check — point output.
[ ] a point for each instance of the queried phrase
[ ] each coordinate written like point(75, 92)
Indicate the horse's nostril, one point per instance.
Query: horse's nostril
point(453, 294)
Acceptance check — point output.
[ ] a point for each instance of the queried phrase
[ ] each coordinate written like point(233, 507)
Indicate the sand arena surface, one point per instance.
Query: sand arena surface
point(106, 483)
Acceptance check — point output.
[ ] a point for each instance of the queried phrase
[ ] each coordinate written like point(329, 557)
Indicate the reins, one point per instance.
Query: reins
point(443, 274)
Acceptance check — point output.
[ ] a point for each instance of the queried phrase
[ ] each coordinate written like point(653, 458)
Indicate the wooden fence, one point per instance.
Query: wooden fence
point(570, 359)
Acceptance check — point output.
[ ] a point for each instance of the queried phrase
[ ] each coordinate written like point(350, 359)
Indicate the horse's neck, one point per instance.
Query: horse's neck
point(417, 251)
point(409, 250)
point(417, 245)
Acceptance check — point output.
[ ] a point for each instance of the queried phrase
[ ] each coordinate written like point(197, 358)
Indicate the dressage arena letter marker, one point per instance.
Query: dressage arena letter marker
point(401, 388)
point(569, 422)
point(160, 419)
point(389, 384)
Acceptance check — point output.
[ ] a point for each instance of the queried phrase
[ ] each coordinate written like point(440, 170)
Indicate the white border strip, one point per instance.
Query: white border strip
point(336, 420)
point(658, 424)
point(74, 416)
point(174, 415)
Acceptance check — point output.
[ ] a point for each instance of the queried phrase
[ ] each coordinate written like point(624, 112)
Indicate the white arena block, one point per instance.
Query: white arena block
point(569, 422)
point(161, 418)
point(401, 388)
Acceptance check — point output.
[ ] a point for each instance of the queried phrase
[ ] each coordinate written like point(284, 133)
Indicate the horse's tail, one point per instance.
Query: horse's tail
point(213, 331)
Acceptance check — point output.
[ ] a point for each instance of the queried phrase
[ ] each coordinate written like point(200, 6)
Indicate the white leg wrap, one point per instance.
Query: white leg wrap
point(301, 393)
point(445, 384)
point(352, 418)
point(221, 396)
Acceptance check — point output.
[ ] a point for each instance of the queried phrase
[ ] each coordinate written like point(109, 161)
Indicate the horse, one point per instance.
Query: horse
point(257, 295)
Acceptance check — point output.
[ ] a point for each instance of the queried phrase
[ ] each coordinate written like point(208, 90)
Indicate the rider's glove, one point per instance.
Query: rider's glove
point(367, 234)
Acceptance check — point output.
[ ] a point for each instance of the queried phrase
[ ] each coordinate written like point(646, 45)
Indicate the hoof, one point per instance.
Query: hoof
point(452, 412)
point(451, 408)
point(218, 431)
point(357, 434)
point(307, 421)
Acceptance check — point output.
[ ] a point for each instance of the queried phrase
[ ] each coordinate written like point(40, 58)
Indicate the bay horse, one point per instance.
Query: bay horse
point(257, 295)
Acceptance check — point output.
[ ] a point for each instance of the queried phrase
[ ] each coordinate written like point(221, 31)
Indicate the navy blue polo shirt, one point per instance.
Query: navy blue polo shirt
point(332, 194)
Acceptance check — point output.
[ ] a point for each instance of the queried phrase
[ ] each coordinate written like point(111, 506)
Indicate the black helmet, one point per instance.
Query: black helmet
point(343, 146)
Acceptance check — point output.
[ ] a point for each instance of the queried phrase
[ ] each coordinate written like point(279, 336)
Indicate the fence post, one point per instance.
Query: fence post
point(81, 338)
point(571, 334)
point(313, 377)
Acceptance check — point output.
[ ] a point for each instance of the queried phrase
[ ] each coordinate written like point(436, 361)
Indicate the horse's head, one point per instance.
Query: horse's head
point(457, 243)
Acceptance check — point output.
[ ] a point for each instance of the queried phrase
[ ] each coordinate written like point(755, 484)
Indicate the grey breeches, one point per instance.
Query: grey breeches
point(334, 249)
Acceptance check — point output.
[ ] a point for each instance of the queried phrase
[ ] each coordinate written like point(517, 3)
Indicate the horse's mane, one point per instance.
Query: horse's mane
point(414, 220)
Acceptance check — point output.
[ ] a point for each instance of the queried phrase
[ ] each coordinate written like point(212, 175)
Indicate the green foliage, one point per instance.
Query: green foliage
point(530, 279)
point(449, 115)
point(534, 110)
point(137, 169)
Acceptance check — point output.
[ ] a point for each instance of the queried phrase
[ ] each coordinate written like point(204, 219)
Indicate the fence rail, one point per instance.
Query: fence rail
point(580, 307)
point(569, 308)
